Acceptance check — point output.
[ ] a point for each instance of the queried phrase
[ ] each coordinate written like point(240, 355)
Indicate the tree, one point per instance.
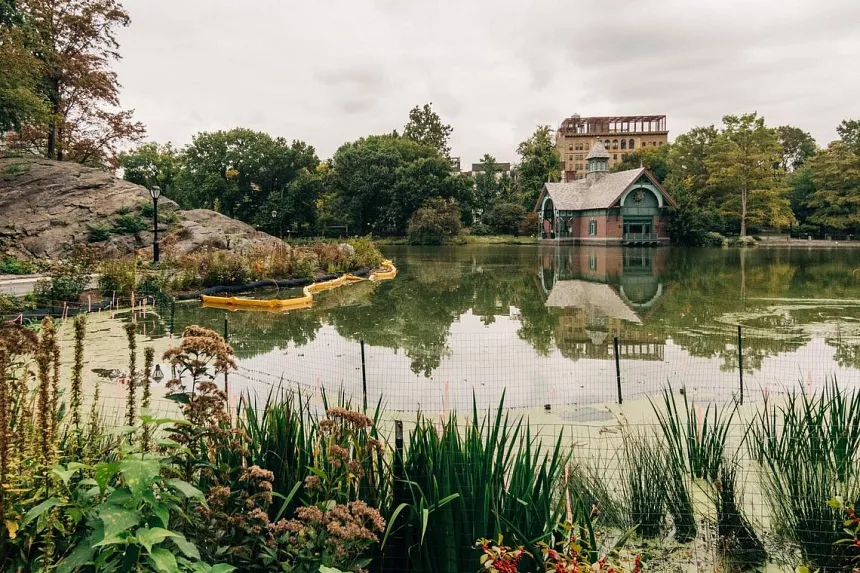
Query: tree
point(247, 174)
point(426, 127)
point(835, 201)
point(75, 42)
point(654, 159)
point(797, 147)
point(849, 132)
point(487, 185)
point(379, 181)
point(153, 164)
point(505, 218)
point(744, 171)
point(435, 222)
point(540, 162)
point(20, 100)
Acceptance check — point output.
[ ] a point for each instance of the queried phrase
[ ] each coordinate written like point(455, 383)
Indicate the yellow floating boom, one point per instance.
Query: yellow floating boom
point(388, 272)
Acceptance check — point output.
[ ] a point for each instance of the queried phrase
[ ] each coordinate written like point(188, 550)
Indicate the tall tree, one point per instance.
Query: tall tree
point(654, 159)
point(540, 162)
point(849, 131)
point(487, 184)
point(381, 180)
point(75, 41)
point(20, 99)
point(744, 171)
point(797, 147)
point(426, 127)
point(153, 164)
point(835, 201)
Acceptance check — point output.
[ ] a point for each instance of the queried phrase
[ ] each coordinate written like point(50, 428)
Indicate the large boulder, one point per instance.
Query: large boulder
point(47, 207)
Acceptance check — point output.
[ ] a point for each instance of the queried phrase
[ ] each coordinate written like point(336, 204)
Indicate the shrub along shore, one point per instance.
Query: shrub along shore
point(279, 485)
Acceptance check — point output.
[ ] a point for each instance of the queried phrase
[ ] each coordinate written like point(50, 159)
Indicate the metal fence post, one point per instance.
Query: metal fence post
point(741, 362)
point(617, 370)
point(363, 377)
point(399, 558)
point(172, 312)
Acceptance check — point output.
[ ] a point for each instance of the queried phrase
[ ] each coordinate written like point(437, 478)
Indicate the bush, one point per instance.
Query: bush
point(712, 239)
point(69, 278)
point(436, 222)
point(147, 209)
point(366, 254)
point(480, 229)
point(118, 276)
point(124, 211)
point(13, 266)
point(98, 234)
point(505, 218)
point(129, 225)
point(530, 224)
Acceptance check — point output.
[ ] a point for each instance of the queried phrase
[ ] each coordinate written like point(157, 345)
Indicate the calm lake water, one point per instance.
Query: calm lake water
point(540, 324)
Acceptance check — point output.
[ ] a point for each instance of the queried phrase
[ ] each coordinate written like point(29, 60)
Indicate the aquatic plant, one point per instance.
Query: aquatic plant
point(701, 444)
point(739, 546)
point(645, 486)
point(131, 376)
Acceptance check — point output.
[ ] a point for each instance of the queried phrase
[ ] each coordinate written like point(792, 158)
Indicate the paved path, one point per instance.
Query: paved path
point(20, 285)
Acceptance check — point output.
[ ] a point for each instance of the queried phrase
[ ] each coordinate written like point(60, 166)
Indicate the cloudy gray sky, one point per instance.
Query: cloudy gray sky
point(332, 71)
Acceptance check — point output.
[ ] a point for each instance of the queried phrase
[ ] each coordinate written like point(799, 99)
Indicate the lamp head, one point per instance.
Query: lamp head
point(155, 191)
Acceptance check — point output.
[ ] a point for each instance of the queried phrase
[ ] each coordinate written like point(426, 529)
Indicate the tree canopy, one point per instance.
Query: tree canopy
point(540, 162)
point(75, 44)
point(426, 127)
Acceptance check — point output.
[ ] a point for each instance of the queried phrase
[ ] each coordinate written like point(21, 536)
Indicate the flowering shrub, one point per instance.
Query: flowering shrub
point(567, 555)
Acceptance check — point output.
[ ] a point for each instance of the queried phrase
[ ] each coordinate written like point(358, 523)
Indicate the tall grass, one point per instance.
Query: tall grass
point(645, 486)
point(807, 450)
point(700, 444)
point(484, 478)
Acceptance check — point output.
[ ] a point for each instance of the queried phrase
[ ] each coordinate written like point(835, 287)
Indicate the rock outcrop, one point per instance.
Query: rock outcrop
point(46, 207)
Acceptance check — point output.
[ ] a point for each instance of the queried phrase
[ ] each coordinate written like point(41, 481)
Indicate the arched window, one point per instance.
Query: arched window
point(623, 144)
point(606, 144)
point(632, 144)
point(592, 227)
point(614, 144)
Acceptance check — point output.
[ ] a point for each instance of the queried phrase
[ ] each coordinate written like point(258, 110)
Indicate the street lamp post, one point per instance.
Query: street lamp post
point(274, 216)
point(155, 193)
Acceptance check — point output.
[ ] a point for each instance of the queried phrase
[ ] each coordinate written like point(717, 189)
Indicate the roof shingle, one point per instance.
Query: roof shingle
point(591, 192)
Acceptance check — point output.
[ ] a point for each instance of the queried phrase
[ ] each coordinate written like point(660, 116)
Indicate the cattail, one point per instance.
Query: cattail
point(5, 429)
point(130, 332)
point(146, 398)
point(77, 377)
point(44, 361)
point(55, 385)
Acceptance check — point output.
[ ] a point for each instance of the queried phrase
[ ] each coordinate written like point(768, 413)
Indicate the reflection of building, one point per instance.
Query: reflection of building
point(601, 293)
point(620, 135)
point(627, 207)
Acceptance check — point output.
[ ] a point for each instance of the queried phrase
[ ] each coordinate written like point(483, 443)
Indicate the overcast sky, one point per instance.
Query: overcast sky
point(332, 71)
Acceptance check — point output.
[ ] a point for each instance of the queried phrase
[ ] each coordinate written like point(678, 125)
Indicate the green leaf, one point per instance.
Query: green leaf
point(162, 512)
point(163, 560)
point(139, 473)
point(185, 489)
point(324, 569)
point(104, 472)
point(224, 568)
point(116, 520)
point(35, 512)
point(149, 537)
point(185, 546)
point(64, 474)
point(77, 559)
point(391, 521)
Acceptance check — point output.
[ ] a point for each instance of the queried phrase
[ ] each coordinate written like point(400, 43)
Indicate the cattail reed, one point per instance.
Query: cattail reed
point(148, 358)
point(77, 376)
point(131, 380)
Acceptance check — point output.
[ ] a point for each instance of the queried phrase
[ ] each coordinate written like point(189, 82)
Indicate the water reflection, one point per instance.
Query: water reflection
point(535, 319)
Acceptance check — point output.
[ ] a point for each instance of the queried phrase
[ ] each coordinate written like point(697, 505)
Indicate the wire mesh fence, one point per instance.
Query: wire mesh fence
point(597, 391)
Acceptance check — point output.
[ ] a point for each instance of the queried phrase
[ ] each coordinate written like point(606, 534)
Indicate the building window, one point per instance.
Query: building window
point(592, 262)
point(586, 147)
point(579, 157)
point(578, 166)
point(632, 144)
point(614, 144)
point(592, 227)
point(569, 158)
point(614, 157)
point(570, 147)
point(623, 144)
point(606, 144)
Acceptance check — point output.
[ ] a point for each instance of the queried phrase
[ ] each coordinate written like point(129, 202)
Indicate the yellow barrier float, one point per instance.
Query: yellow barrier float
point(388, 272)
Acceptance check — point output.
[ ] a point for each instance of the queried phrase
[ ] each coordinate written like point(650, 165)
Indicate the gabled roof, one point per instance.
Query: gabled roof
point(596, 193)
point(597, 299)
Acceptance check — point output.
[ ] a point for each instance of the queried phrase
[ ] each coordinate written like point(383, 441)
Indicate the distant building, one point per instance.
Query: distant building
point(620, 135)
point(455, 164)
point(500, 169)
point(627, 207)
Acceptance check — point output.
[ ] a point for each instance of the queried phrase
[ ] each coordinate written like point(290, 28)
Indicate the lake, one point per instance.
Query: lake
point(541, 324)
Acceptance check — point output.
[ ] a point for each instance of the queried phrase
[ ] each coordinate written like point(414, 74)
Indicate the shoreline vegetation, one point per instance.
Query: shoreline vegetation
point(281, 483)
